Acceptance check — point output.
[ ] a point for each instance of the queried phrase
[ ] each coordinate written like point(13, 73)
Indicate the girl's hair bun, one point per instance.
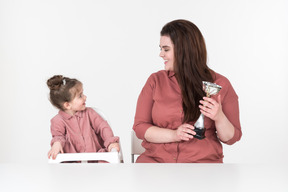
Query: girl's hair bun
point(55, 82)
point(62, 89)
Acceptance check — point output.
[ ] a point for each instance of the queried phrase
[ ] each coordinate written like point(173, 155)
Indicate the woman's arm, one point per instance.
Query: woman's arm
point(143, 122)
point(156, 134)
point(213, 109)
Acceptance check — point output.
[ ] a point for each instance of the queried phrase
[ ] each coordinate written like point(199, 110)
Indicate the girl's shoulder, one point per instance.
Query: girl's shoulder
point(59, 117)
point(93, 112)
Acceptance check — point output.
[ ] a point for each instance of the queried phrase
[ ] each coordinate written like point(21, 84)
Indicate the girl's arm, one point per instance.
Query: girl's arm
point(58, 137)
point(115, 146)
point(55, 149)
point(103, 129)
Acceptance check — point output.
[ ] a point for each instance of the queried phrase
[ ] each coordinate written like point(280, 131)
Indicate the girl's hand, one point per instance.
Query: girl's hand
point(55, 149)
point(185, 132)
point(211, 108)
point(114, 145)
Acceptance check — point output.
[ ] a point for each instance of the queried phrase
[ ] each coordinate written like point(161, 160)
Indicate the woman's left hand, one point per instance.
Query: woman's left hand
point(211, 108)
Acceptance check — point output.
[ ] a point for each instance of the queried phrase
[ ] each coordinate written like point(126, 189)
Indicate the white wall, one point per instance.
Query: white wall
point(112, 47)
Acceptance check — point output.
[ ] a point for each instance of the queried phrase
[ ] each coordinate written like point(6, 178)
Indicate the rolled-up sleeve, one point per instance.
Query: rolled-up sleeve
point(102, 128)
point(231, 111)
point(58, 131)
point(230, 107)
point(143, 115)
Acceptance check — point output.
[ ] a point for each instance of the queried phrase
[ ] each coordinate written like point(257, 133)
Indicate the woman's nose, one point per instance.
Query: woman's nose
point(161, 54)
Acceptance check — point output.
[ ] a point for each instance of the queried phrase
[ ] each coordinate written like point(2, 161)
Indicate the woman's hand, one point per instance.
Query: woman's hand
point(55, 149)
point(211, 108)
point(185, 132)
point(114, 145)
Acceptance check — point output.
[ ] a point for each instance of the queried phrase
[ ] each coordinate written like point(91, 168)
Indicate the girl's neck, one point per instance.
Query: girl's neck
point(70, 112)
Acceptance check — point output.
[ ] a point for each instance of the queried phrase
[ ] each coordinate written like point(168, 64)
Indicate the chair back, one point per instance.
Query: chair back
point(136, 146)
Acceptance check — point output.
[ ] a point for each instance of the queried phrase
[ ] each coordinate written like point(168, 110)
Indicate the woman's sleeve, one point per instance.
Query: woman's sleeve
point(230, 107)
point(143, 115)
point(58, 131)
point(102, 128)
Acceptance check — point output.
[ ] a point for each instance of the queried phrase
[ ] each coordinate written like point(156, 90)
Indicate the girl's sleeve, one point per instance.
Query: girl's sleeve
point(58, 131)
point(230, 107)
point(143, 115)
point(102, 128)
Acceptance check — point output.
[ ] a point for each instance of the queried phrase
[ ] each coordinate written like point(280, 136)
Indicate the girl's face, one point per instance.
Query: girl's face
point(78, 103)
point(167, 52)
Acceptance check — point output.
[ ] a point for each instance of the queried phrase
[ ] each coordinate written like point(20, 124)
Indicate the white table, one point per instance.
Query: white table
point(143, 177)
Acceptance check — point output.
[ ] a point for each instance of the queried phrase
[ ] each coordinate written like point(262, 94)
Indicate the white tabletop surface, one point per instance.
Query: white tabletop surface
point(143, 177)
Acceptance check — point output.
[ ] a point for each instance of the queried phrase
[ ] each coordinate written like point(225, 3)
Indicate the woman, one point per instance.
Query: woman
point(172, 99)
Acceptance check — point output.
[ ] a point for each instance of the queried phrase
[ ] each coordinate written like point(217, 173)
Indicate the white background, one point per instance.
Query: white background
point(113, 46)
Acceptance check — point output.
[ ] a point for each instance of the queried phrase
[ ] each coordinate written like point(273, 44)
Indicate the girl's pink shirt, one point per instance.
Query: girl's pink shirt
point(160, 104)
point(85, 131)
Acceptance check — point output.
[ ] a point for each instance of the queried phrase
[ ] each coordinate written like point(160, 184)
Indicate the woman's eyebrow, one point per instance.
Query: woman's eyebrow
point(164, 46)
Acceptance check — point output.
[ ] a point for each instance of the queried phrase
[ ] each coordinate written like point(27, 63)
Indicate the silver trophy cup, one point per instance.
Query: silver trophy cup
point(210, 89)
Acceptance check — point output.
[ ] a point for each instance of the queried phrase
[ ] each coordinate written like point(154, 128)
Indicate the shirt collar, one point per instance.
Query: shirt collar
point(170, 74)
point(68, 116)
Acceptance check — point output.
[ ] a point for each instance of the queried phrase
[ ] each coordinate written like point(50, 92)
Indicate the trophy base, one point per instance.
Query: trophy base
point(200, 133)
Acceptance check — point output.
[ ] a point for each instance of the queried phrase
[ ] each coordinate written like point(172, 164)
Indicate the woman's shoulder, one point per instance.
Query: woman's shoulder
point(227, 88)
point(159, 75)
point(221, 80)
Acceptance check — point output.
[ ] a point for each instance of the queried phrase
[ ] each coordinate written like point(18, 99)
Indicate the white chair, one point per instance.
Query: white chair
point(136, 147)
point(112, 157)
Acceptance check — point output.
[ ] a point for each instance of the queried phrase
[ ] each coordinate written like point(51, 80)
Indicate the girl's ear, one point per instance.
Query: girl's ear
point(66, 105)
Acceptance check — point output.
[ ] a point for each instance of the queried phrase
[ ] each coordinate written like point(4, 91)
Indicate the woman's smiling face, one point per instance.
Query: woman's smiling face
point(167, 52)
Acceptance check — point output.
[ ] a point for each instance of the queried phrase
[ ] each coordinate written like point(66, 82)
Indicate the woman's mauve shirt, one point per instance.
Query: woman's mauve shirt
point(85, 131)
point(160, 104)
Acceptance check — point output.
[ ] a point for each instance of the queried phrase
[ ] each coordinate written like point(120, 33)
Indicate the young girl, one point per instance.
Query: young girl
point(76, 128)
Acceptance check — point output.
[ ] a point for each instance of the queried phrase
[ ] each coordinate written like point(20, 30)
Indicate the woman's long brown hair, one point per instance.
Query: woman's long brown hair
point(190, 65)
